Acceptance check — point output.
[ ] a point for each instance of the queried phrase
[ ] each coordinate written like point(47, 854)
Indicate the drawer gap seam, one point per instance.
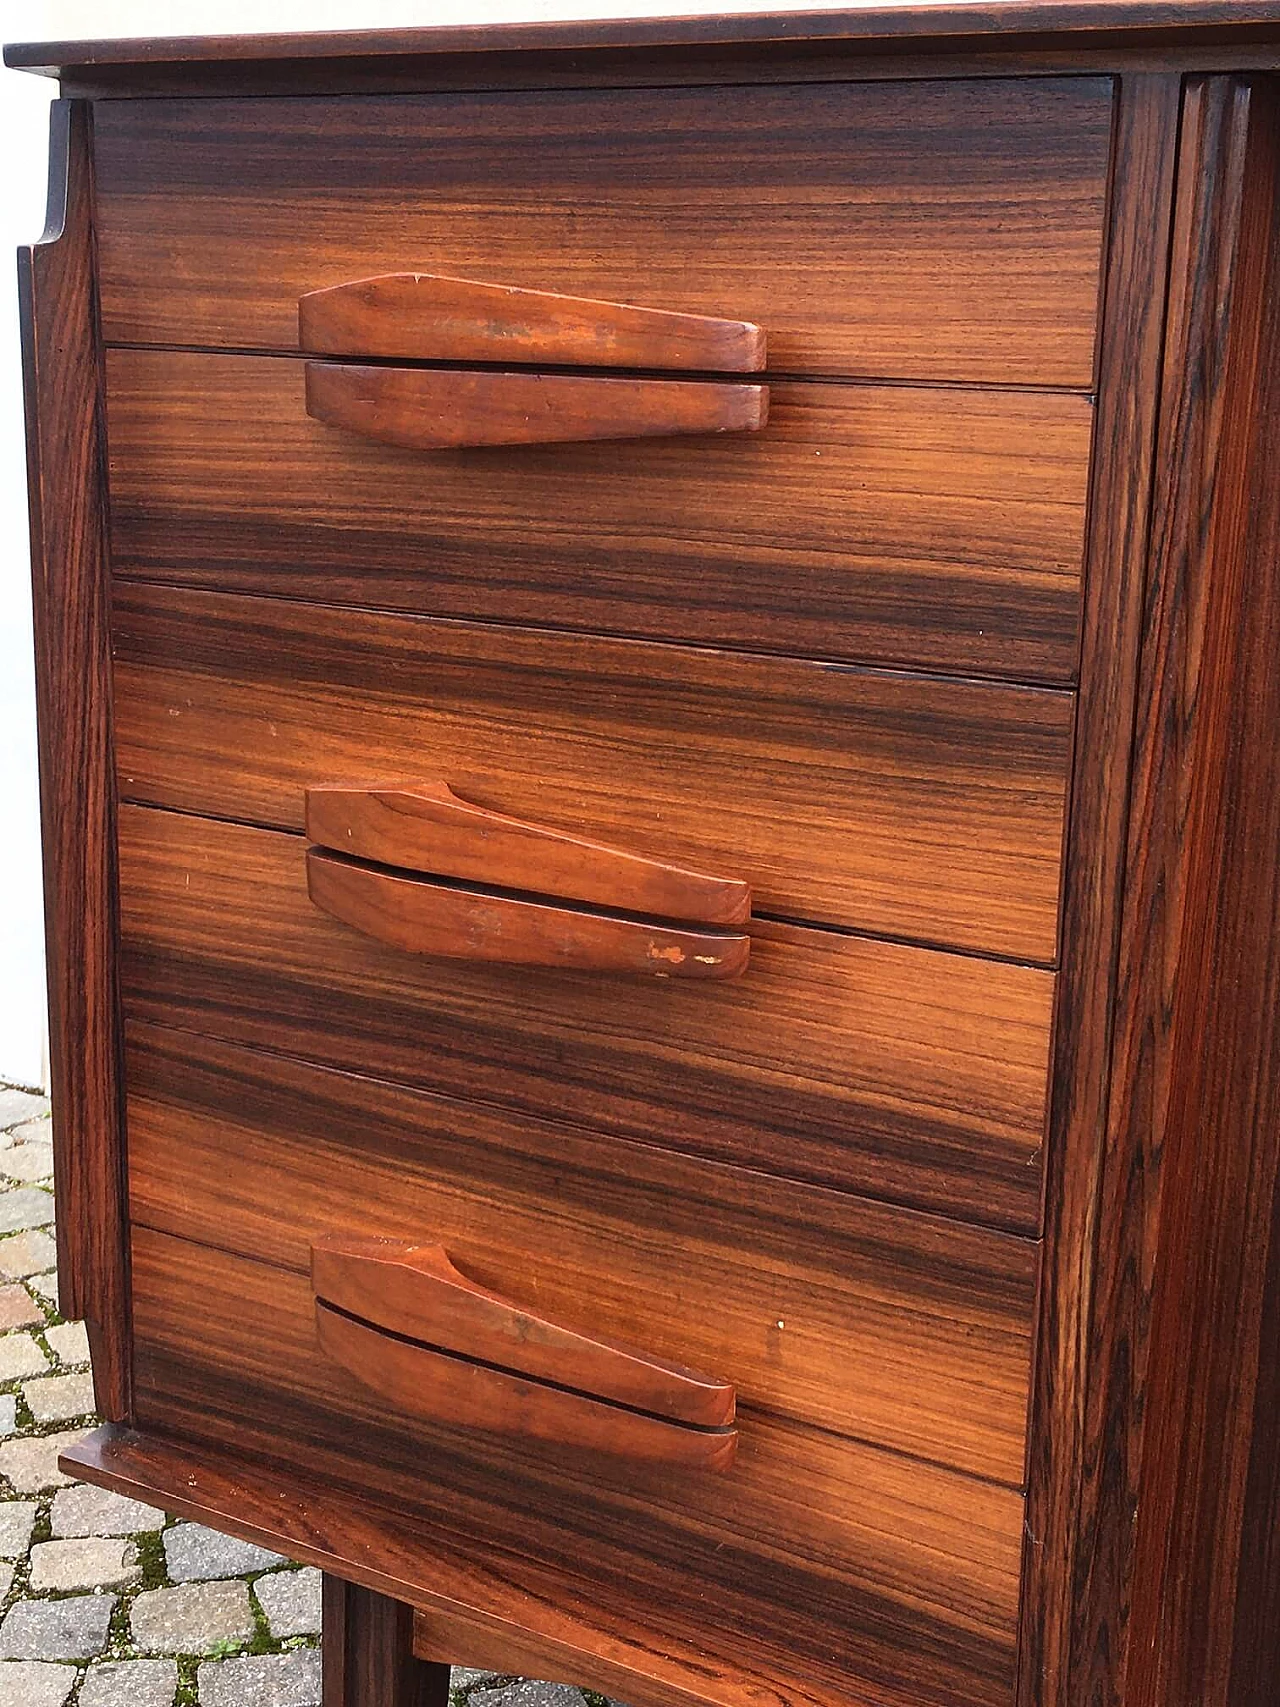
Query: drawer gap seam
point(779, 376)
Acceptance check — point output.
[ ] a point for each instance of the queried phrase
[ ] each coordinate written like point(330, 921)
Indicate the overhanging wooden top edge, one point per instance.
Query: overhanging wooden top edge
point(1044, 24)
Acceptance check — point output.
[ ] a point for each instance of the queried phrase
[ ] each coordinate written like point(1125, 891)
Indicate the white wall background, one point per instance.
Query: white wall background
point(24, 110)
point(23, 132)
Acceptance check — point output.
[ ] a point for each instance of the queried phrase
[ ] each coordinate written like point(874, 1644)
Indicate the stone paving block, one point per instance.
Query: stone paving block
point(291, 1601)
point(34, 1131)
point(16, 1308)
point(528, 1693)
point(193, 1553)
point(47, 1286)
point(17, 1106)
point(20, 1355)
point(82, 1510)
point(58, 1398)
point(74, 1629)
point(193, 1618)
point(462, 1677)
point(17, 1519)
point(262, 1680)
point(6, 1579)
point(32, 1464)
point(8, 1413)
point(28, 1206)
point(27, 1162)
point(26, 1254)
point(34, 1684)
point(58, 1566)
point(69, 1342)
point(130, 1683)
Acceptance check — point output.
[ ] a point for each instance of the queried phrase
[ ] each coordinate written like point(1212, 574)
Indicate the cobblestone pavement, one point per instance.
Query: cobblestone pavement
point(105, 1602)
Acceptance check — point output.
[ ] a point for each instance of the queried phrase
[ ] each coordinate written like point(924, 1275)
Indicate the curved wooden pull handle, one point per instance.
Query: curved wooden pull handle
point(423, 917)
point(431, 317)
point(408, 1325)
point(439, 1388)
point(416, 1291)
point(440, 409)
point(426, 827)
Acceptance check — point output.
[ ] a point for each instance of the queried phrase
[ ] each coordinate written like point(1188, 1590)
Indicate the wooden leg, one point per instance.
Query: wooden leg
point(367, 1647)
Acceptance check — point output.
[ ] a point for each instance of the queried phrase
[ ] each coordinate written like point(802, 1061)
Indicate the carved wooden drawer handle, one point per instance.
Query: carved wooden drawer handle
point(406, 864)
point(452, 923)
point(426, 827)
point(413, 1328)
point(442, 409)
point(430, 318)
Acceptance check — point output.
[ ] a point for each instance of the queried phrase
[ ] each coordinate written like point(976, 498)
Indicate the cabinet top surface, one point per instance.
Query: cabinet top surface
point(1038, 24)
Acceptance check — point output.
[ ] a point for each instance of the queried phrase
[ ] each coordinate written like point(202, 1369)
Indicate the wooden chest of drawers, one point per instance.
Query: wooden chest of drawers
point(658, 663)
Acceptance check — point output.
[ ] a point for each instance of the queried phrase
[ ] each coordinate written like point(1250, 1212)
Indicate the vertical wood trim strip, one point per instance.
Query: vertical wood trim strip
point(1117, 1321)
point(1065, 1490)
point(333, 1639)
point(367, 1652)
point(1197, 1092)
point(1255, 1663)
point(66, 474)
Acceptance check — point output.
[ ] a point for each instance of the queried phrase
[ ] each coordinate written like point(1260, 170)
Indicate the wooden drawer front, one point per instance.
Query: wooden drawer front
point(907, 525)
point(906, 1330)
point(916, 230)
point(899, 1072)
point(859, 1568)
point(917, 808)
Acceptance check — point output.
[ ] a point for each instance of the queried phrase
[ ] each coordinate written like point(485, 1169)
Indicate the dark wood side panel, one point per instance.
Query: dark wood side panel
point(1070, 1517)
point(903, 1329)
point(1171, 1249)
point(1200, 1068)
point(813, 1550)
point(897, 1072)
point(917, 230)
point(77, 781)
point(907, 525)
point(913, 807)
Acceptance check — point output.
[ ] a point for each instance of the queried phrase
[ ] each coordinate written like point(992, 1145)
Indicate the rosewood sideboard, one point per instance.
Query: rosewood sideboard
point(659, 683)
